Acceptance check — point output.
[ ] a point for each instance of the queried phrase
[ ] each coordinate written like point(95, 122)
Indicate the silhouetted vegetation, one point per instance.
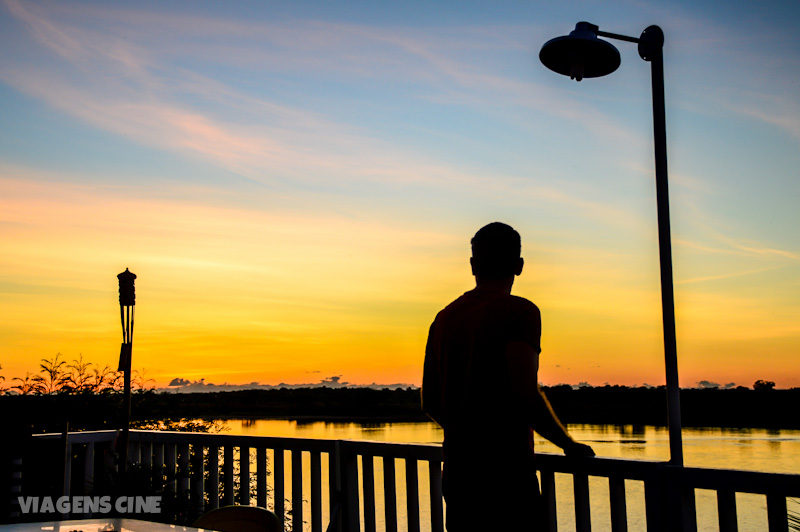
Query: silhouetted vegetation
point(88, 396)
point(594, 405)
point(762, 385)
point(57, 376)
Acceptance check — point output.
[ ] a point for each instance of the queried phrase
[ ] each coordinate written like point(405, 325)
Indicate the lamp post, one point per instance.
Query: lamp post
point(127, 307)
point(582, 55)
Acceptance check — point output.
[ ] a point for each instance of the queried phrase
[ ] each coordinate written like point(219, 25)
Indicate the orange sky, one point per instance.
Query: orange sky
point(237, 295)
point(296, 187)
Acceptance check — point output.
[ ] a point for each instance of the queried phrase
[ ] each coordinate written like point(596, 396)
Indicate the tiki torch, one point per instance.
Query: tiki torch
point(127, 305)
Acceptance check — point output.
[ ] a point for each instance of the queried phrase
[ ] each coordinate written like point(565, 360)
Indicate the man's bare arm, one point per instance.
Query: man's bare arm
point(523, 364)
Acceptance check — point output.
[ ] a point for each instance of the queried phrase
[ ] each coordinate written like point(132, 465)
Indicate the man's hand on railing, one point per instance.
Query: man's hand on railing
point(578, 449)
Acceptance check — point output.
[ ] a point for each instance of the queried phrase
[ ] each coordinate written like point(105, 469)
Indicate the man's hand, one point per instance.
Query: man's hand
point(578, 449)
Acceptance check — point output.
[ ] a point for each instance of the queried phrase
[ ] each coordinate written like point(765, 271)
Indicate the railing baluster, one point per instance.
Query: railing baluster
point(244, 475)
point(619, 511)
point(147, 453)
point(227, 465)
point(412, 494)
point(158, 463)
point(316, 492)
point(261, 477)
point(726, 510)
point(653, 504)
point(333, 490)
point(435, 481)
point(170, 461)
point(389, 494)
point(197, 475)
point(297, 489)
point(278, 477)
point(133, 452)
point(776, 513)
point(88, 468)
point(350, 504)
point(580, 490)
point(67, 472)
point(368, 486)
point(213, 477)
point(549, 499)
point(183, 476)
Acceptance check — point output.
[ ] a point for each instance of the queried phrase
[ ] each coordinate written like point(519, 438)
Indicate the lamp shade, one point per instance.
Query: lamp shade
point(580, 54)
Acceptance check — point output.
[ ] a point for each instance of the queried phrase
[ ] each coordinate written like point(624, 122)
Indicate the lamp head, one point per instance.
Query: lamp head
point(580, 54)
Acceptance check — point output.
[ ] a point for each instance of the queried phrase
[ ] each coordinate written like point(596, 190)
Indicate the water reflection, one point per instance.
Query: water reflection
point(727, 448)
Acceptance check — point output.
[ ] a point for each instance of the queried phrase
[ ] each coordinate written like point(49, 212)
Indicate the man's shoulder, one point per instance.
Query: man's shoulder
point(503, 304)
point(523, 305)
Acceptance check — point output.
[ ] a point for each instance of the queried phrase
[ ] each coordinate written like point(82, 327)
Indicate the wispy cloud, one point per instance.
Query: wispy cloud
point(725, 276)
point(134, 86)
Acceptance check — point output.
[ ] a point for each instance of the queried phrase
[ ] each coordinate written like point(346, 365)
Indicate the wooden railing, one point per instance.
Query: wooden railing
point(333, 483)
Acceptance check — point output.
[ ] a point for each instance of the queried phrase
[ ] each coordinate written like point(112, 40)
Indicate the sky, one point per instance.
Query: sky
point(295, 185)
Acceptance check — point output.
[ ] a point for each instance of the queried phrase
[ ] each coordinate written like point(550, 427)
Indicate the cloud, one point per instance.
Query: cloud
point(725, 275)
point(182, 385)
point(137, 87)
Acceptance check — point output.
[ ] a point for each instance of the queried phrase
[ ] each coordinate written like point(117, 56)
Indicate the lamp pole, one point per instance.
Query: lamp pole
point(651, 46)
point(582, 54)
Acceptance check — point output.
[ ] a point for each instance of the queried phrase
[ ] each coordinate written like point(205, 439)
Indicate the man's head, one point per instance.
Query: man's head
point(496, 252)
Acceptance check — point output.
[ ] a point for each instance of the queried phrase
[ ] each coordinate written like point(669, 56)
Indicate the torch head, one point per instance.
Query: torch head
point(127, 293)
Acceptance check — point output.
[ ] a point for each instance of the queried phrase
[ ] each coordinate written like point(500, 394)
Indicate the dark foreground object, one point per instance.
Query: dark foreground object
point(599, 405)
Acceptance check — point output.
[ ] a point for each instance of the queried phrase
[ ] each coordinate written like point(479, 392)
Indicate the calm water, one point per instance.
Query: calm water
point(751, 449)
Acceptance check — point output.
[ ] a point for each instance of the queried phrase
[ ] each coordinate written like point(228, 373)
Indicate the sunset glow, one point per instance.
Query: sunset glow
point(295, 187)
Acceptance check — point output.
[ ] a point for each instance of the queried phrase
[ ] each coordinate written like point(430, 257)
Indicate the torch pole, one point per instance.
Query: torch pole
point(127, 302)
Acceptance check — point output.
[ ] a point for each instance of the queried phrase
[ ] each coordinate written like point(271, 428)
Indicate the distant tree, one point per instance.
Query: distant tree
point(763, 385)
point(140, 383)
point(27, 385)
point(79, 379)
point(104, 380)
point(53, 376)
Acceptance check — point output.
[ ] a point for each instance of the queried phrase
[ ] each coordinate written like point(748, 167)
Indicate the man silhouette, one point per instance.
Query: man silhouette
point(480, 384)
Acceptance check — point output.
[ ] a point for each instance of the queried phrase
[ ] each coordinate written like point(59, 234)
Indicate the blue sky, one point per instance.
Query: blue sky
point(408, 125)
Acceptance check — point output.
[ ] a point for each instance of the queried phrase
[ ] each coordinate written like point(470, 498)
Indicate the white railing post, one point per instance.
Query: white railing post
point(213, 477)
point(197, 478)
point(297, 489)
point(227, 458)
point(368, 488)
point(349, 492)
point(88, 468)
point(261, 477)
point(335, 487)
point(244, 475)
point(617, 503)
point(412, 494)
point(435, 483)
point(316, 492)
point(580, 489)
point(390, 494)
point(278, 478)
